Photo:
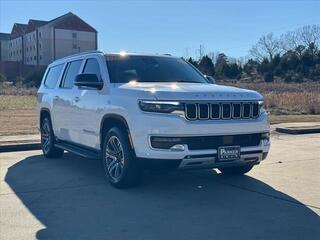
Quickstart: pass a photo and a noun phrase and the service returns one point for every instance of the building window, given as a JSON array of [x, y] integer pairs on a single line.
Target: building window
[[34, 58], [40, 46], [40, 57], [74, 46], [39, 34], [74, 35]]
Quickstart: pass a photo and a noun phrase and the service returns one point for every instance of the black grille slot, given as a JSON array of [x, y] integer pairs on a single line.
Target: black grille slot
[[255, 110], [203, 111], [215, 110], [191, 111], [246, 110], [226, 110], [236, 110]]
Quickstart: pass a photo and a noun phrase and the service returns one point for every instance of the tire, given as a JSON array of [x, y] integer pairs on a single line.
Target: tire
[[240, 170], [119, 163], [48, 139]]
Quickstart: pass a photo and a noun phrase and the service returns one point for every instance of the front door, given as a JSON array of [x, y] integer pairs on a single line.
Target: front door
[[64, 109]]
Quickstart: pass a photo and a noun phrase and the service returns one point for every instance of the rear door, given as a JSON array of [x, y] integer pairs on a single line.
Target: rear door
[[64, 109]]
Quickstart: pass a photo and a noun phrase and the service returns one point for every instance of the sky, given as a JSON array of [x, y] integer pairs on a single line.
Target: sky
[[174, 27]]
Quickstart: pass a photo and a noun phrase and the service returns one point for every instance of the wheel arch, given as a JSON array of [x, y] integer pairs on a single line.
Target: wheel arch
[[114, 120], [43, 113]]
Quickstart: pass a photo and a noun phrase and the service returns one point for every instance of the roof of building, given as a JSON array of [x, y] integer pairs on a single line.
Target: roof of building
[[18, 30], [68, 21], [33, 24], [4, 36], [71, 21]]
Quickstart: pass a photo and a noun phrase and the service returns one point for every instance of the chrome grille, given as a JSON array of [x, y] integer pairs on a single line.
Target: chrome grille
[[223, 110]]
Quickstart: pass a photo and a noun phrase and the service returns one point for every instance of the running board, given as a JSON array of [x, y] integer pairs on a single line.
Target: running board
[[83, 152]]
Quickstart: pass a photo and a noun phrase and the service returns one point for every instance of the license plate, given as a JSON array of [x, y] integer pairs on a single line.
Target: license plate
[[229, 153]]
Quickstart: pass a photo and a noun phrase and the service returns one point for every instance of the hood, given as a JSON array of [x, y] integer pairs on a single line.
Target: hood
[[192, 91]]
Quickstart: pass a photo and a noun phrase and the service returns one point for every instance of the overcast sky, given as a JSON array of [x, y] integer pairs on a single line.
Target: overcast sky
[[176, 27]]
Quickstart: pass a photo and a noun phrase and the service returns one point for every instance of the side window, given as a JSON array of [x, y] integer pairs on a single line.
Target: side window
[[53, 76], [70, 73], [92, 66]]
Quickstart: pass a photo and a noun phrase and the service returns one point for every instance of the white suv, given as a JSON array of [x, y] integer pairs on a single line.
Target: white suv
[[129, 109]]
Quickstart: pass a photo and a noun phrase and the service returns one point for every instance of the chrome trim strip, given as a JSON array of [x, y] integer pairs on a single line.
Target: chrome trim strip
[[242, 116], [199, 110], [219, 107], [229, 111], [186, 113], [233, 110]]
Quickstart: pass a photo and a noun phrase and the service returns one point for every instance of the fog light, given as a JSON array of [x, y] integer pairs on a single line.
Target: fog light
[[177, 147], [265, 135]]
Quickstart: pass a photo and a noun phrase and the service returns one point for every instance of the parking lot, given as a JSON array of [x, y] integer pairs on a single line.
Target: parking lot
[[68, 198]]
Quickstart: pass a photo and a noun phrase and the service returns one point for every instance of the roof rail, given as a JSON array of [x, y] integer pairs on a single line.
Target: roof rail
[[80, 54]]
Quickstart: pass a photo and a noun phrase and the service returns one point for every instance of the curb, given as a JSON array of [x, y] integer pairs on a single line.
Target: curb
[[298, 130], [20, 147]]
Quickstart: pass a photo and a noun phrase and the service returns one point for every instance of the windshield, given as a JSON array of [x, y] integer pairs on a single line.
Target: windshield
[[128, 68]]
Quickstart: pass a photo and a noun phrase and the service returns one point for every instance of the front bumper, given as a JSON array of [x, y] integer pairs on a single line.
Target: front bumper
[[175, 126]]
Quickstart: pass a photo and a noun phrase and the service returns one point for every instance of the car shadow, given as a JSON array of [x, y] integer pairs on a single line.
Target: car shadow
[[71, 198]]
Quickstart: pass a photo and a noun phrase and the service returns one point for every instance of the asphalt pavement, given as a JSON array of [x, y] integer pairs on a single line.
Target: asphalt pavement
[[68, 198]]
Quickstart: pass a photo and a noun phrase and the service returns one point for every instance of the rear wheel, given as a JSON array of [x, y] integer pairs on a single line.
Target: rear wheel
[[239, 170], [47, 140], [120, 166]]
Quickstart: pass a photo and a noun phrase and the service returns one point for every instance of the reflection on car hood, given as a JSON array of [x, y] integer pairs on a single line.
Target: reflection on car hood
[[191, 91]]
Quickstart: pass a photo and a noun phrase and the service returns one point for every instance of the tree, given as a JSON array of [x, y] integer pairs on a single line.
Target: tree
[[221, 64], [232, 70], [193, 62], [267, 47], [206, 66]]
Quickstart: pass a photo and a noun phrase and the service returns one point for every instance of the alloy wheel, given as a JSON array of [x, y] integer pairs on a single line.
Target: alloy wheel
[[114, 158]]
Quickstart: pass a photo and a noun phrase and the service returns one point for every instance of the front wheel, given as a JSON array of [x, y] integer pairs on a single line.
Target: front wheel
[[239, 170], [120, 165]]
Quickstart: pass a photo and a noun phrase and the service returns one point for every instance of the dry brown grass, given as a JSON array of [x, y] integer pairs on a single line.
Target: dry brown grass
[[282, 98]]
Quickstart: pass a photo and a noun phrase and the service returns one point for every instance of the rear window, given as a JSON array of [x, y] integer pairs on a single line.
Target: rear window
[[53, 76], [127, 68]]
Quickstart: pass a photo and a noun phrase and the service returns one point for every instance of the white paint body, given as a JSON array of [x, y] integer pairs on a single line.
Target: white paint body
[[79, 121]]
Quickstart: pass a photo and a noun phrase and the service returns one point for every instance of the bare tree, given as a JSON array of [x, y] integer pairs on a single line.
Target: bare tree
[[267, 47], [300, 39], [309, 35]]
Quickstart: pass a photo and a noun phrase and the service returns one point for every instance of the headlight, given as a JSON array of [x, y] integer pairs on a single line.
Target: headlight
[[261, 106], [161, 106]]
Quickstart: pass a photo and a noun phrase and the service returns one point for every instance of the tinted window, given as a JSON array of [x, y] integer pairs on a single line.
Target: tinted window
[[151, 69], [92, 66], [53, 76], [70, 74]]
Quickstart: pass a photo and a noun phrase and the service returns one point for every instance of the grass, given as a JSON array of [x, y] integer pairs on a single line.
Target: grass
[[285, 102], [17, 102], [287, 99]]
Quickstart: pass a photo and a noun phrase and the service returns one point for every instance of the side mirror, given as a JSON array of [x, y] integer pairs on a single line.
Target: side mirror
[[210, 79], [88, 80]]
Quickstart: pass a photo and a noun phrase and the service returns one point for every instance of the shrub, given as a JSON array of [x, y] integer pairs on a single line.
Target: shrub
[[268, 77]]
